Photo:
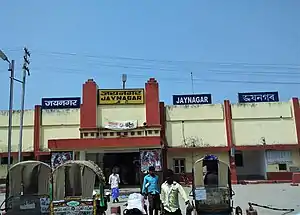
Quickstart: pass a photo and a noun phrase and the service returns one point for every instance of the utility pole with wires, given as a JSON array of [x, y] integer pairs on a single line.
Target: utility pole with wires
[[192, 81], [25, 73]]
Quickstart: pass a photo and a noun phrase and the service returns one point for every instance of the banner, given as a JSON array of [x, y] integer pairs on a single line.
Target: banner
[[192, 99], [121, 125], [60, 103], [151, 157], [116, 97], [258, 97], [58, 158]]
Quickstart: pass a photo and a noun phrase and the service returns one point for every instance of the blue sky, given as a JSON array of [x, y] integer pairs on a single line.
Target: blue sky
[[256, 43]]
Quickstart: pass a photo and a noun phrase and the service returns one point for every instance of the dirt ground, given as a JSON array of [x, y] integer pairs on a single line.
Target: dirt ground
[[273, 195]]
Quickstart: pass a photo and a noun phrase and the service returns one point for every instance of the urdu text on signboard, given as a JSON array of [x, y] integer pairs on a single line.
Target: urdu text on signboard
[[192, 99], [60, 103], [258, 97], [116, 97]]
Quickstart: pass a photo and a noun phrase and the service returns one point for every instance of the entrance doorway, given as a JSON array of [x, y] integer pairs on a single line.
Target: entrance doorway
[[127, 165], [250, 165]]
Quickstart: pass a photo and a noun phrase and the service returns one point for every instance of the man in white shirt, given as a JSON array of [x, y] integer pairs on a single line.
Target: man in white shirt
[[114, 181], [170, 191]]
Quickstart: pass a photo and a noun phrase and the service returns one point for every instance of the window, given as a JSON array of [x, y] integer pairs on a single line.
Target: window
[[282, 166], [132, 133], [179, 165], [238, 157], [279, 157], [4, 160]]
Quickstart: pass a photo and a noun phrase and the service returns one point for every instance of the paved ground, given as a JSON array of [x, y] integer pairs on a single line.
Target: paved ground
[[275, 195]]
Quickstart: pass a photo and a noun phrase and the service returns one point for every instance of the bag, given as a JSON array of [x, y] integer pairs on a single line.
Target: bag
[[133, 211]]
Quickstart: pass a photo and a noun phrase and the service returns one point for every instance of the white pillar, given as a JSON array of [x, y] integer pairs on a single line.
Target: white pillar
[[82, 155]]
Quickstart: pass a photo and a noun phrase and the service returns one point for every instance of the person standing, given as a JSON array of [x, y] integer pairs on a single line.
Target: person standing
[[170, 191], [211, 177], [137, 167], [114, 181], [151, 190]]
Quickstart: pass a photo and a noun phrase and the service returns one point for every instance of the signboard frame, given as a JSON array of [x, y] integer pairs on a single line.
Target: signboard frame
[[175, 97], [241, 96], [65, 103], [120, 90]]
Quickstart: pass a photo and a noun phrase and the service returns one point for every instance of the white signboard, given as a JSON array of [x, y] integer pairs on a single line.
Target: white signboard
[[121, 125]]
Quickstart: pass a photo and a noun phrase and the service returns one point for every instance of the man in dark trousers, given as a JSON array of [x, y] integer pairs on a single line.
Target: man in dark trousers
[[151, 190]]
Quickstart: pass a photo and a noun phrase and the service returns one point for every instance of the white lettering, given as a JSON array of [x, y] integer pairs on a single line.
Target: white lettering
[[74, 102], [66, 102], [260, 97], [55, 103], [271, 97], [192, 100], [48, 103]]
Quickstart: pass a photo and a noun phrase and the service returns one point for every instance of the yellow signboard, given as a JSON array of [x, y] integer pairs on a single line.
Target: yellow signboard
[[116, 97]]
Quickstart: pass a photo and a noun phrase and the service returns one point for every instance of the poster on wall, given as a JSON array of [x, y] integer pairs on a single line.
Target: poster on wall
[[58, 158], [151, 157]]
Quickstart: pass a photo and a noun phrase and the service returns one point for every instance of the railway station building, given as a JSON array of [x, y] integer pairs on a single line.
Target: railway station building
[[131, 129]]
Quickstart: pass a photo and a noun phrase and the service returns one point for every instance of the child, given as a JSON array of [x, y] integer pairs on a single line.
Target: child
[[114, 181]]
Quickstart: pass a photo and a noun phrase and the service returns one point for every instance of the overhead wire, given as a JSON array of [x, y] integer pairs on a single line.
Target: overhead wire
[[173, 68], [176, 79], [169, 62], [289, 66]]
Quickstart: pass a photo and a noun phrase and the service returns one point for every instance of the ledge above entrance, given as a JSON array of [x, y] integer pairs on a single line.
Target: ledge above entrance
[[125, 142]]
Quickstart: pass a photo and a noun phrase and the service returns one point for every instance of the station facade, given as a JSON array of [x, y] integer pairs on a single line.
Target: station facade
[[131, 129]]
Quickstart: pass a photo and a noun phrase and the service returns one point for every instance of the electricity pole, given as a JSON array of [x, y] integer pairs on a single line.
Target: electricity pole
[[11, 68], [25, 72]]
